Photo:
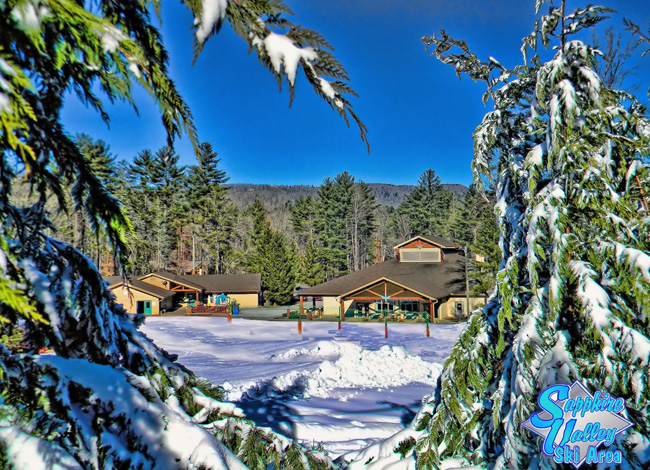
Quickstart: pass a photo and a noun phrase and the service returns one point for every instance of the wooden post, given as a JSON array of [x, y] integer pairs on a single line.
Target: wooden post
[[229, 308], [427, 316], [386, 325], [300, 316], [341, 313], [386, 310]]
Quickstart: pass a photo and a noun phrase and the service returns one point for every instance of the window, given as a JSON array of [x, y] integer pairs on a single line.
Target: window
[[409, 306], [420, 255], [458, 308]]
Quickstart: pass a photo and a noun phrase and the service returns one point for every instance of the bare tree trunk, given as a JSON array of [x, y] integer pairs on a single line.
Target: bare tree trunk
[[80, 231]]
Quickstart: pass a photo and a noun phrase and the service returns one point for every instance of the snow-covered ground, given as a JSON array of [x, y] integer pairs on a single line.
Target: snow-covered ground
[[343, 388]]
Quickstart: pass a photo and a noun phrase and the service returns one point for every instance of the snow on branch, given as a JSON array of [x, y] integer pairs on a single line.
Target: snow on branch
[[281, 46], [616, 337], [212, 14], [283, 54], [635, 258]]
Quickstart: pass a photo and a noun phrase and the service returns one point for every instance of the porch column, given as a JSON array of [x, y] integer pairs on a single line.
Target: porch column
[[341, 313], [300, 316]]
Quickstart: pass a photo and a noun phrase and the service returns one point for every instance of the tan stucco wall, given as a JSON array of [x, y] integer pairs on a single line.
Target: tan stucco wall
[[447, 307], [245, 300], [331, 305], [129, 300], [156, 281]]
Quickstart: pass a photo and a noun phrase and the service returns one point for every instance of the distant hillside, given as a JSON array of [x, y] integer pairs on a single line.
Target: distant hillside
[[277, 196]]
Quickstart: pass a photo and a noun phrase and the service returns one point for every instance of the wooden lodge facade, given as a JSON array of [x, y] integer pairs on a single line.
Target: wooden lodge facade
[[426, 278], [155, 293]]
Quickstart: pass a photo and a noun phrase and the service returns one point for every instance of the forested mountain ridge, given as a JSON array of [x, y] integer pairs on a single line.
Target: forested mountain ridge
[[275, 196]]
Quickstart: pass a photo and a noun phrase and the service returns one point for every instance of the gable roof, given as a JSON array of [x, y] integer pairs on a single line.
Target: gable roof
[[433, 280], [441, 242], [116, 281], [174, 278], [228, 283], [112, 280]]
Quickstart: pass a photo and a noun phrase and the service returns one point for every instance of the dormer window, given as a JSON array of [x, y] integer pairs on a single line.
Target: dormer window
[[424, 250], [420, 255]]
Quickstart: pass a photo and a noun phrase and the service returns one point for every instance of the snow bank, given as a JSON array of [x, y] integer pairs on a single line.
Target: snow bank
[[355, 367]]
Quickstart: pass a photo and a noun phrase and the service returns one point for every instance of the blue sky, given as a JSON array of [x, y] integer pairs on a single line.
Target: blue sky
[[418, 114]]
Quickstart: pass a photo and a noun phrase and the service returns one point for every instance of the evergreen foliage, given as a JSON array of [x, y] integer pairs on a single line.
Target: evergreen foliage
[[334, 198], [303, 218], [486, 245], [108, 398], [273, 257], [280, 269], [311, 270], [428, 207], [361, 226], [345, 224], [169, 209], [211, 211], [473, 225], [571, 301]]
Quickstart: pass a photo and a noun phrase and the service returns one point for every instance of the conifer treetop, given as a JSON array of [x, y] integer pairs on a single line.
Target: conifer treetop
[[569, 158]]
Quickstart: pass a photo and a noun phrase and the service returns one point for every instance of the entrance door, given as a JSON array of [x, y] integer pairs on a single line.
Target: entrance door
[[143, 307]]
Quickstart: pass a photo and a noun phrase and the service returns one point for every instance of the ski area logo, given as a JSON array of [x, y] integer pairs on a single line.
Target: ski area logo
[[574, 423]]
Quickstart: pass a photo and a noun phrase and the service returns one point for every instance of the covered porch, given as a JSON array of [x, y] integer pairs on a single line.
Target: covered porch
[[385, 299]]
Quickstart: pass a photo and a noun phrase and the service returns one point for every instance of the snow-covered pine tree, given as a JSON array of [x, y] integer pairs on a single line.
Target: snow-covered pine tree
[[572, 299], [109, 398]]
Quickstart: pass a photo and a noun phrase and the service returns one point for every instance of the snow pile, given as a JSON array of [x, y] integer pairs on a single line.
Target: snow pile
[[322, 350], [390, 366]]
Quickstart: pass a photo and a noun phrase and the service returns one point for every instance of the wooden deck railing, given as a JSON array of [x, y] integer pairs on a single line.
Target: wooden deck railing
[[209, 309]]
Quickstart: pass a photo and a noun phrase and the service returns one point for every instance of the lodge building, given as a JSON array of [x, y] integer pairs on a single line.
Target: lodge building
[[427, 277], [155, 293]]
